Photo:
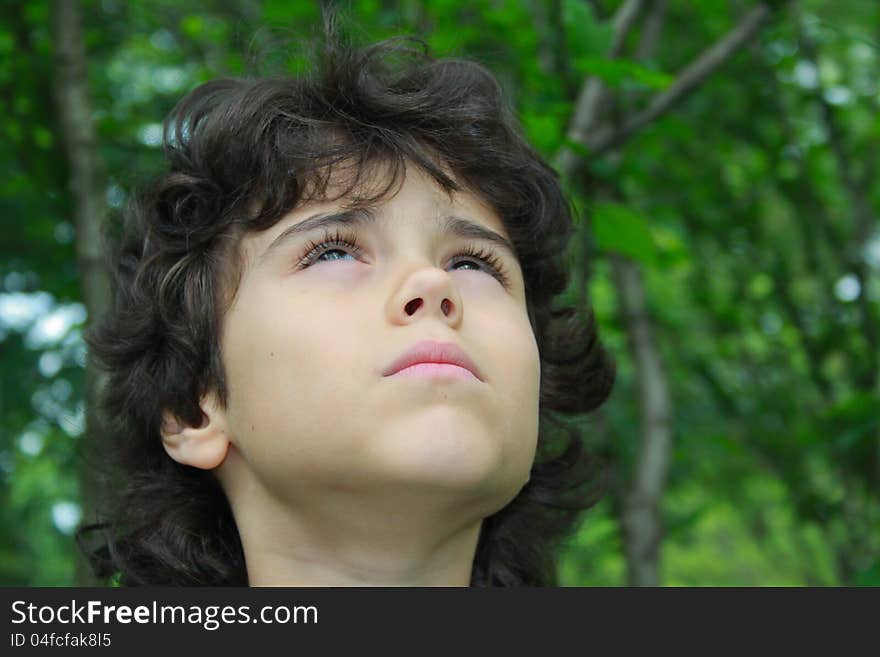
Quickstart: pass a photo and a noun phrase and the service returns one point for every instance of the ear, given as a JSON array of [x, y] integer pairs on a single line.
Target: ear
[[202, 447]]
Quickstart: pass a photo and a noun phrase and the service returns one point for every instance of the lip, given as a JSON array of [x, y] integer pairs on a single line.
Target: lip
[[431, 351]]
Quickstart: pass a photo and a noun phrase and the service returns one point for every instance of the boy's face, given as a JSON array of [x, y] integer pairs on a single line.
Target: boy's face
[[310, 411]]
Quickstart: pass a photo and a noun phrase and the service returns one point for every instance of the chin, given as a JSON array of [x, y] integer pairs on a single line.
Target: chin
[[484, 486]]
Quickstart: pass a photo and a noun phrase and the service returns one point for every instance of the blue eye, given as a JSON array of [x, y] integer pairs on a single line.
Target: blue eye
[[489, 260], [321, 255], [346, 245], [329, 244]]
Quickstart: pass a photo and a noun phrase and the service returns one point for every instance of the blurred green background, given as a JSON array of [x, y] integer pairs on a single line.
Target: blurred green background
[[727, 239]]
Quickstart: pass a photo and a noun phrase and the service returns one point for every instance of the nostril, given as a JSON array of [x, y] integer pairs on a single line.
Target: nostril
[[412, 306], [445, 306]]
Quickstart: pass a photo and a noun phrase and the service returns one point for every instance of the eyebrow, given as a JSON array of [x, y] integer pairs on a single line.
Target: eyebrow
[[364, 216]]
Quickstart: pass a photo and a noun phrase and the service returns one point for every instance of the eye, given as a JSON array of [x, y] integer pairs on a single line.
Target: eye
[[491, 262], [345, 244], [329, 244]]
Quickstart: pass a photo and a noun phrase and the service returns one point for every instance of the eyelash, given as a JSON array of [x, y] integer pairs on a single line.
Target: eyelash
[[335, 240]]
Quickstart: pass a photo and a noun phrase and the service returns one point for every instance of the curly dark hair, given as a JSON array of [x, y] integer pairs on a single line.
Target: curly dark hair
[[244, 152]]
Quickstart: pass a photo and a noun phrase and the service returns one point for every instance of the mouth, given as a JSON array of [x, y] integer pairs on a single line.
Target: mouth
[[435, 359], [437, 371]]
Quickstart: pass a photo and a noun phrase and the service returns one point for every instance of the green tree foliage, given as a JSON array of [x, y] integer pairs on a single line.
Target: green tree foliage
[[750, 208]]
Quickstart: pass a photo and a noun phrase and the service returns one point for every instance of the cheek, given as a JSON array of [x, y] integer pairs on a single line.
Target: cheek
[[517, 366], [295, 368], [528, 371], [282, 350]]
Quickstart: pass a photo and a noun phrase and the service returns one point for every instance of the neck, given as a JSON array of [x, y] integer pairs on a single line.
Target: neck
[[390, 539], [358, 563]]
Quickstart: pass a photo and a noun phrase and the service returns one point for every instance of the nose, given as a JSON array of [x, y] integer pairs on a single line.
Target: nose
[[415, 304], [428, 291]]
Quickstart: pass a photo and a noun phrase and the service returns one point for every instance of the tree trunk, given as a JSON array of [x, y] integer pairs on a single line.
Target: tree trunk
[[642, 514], [87, 190], [640, 511]]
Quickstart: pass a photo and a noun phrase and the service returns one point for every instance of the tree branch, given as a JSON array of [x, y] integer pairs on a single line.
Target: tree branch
[[593, 91], [600, 141]]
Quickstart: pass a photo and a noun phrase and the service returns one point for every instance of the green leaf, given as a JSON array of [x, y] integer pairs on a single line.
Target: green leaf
[[614, 72], [192, 26], [42, 137], [649, 77], [619, 228], [543, 130], [584, 33], [577, 147], [869, 577]]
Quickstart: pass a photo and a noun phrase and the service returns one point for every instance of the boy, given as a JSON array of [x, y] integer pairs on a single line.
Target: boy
[[332, 352]]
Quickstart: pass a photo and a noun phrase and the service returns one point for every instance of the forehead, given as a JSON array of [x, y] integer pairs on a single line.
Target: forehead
[[416, 202]]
